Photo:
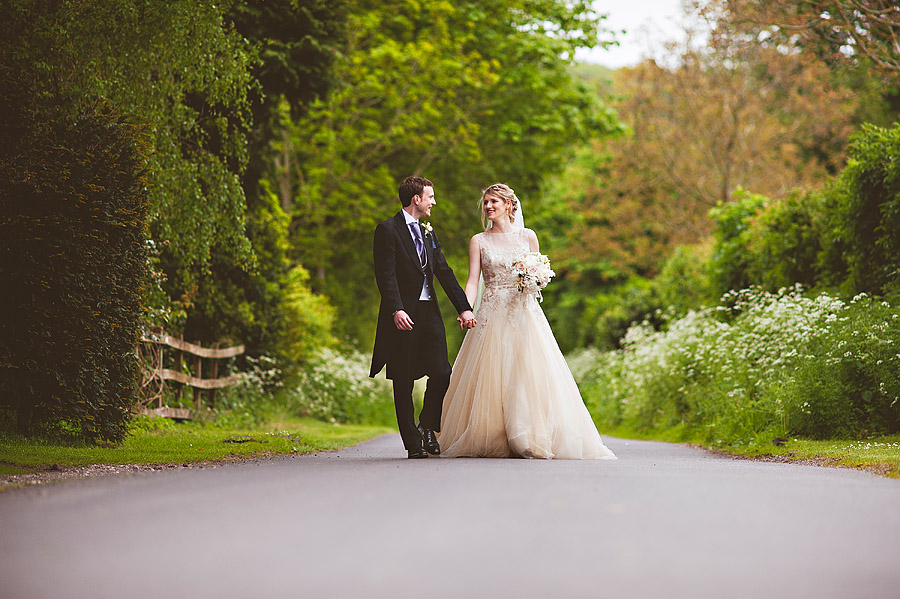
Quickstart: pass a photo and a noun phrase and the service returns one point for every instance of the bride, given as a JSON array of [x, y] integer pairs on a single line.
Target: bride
[[511, 392]]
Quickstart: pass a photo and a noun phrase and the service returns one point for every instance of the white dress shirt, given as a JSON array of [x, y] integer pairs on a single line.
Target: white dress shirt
[[427, 294]]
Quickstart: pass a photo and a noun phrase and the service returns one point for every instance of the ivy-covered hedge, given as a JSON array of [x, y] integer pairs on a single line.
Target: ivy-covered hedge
[[73, 216]]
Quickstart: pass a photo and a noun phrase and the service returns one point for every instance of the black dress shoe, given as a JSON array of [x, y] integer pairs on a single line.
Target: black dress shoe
[[429, 439], [417, 452]]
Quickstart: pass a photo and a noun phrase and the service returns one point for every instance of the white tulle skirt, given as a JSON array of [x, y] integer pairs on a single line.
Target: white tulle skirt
[[512, 394]]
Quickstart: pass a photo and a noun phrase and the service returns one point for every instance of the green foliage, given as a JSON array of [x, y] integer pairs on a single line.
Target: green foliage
[[74, 262], [309, 319], [329, 385], [601, 318], [182, 71], [336, 387], [294, 42], [731, 257], [779, 364], [845, 237], [683, 283], [784, 242], [764, 364], [612, 312], [767, 243], [256, 398], [465, 94], [851, 385], [862, 239]]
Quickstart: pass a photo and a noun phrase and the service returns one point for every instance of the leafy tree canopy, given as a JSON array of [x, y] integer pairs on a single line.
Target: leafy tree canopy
[[180, 70], [466, 94]]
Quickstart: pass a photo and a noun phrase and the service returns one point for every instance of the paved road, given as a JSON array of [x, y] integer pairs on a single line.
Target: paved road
[[662, 521]]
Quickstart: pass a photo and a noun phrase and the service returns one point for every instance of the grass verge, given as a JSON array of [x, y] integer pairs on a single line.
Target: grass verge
[[880, 455], [166, 442]]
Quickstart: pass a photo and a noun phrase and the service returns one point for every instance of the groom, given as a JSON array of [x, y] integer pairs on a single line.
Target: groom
[[410, 337]]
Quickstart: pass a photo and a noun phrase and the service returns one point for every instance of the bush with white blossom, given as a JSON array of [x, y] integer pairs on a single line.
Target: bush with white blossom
[[252, 399], [760, 366], [335, 386]]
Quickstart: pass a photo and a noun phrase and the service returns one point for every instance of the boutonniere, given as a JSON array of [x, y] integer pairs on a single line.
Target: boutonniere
[[429, 234]]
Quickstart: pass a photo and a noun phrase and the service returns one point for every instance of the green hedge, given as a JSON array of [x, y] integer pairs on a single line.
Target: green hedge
[[844, 237], [73, 256], [861, 236]]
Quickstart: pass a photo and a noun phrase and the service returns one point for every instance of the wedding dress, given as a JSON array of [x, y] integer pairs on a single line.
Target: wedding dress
[[511, 392]]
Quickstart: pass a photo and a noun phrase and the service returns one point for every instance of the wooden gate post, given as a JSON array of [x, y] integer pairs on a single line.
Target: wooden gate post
[[214, 374], [198, 373], [179, 387]]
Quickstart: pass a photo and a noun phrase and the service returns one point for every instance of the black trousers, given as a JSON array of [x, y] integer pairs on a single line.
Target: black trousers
[[422, 352]]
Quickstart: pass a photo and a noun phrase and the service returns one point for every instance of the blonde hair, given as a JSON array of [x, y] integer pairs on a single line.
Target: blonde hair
[[503, 192]]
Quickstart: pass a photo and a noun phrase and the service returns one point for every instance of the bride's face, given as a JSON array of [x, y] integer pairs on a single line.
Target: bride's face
[[494, 208]]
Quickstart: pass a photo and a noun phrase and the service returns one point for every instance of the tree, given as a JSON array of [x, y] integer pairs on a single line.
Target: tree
[[181, 71], [836, 30], [295, 41], [465, 94], [703, 122], [842, 237]]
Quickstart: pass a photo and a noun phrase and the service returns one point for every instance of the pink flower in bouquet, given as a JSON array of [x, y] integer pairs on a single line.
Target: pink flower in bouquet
[[534, 273]]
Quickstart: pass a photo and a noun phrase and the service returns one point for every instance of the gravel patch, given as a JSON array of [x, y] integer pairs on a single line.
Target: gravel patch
[[56, 473]]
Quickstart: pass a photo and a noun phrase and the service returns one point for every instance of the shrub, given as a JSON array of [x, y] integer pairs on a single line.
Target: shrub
[[768, 366], [784, 242], [257, 397], [846, 381], [862, 239], [845, 237], [613, 311], [336, 387], [308, 319], [731, 257], [74, 261], [683, 283]]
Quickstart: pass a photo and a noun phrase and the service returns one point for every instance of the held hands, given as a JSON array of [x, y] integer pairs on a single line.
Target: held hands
[[404, 323], [467, 320]]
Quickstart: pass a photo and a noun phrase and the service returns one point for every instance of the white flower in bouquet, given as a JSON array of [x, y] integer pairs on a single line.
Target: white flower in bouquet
[[534, 272]]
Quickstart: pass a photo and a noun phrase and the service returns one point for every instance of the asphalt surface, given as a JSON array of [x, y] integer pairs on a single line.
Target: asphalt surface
[[662, 521]]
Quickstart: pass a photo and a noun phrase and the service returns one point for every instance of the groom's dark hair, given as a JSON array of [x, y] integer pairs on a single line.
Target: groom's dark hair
[[413, 186]]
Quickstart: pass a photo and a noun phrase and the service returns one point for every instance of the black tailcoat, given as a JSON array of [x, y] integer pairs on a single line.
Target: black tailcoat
[[399, 274]]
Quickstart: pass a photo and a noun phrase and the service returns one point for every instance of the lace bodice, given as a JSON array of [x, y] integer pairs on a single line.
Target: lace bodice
[[498, 251]]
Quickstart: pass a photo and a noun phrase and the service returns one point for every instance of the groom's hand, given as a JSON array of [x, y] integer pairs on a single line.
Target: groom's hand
[[402, 321]]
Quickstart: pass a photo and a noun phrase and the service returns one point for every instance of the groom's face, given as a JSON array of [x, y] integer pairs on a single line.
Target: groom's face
[[424, 202]]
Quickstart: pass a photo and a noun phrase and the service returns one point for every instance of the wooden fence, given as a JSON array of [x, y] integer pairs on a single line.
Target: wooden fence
[[156, 374]]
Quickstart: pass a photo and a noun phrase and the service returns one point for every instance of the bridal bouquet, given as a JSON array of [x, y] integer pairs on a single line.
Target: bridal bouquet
[[533, 270]]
